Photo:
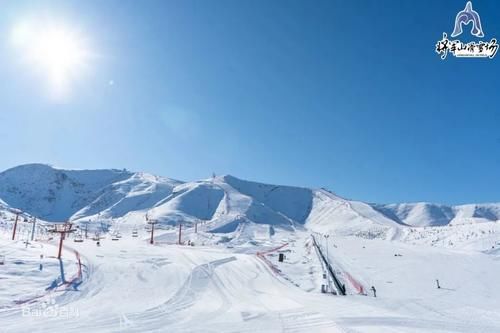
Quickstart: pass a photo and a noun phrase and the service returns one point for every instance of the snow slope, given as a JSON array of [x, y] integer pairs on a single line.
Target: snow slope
[[53, 194], [225, 203], [230, 279], [132, 286], [427, 214], [135, 287], [59, 195], [408, 299], [333, 214]]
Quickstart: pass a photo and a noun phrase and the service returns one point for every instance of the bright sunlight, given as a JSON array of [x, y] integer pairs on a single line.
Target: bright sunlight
[[55, 51]]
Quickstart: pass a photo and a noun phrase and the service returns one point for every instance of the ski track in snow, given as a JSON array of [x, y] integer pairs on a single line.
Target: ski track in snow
[[226, 293], [131, 286]]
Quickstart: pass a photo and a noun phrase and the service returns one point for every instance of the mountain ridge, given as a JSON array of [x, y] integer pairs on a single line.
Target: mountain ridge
[[226, 202]]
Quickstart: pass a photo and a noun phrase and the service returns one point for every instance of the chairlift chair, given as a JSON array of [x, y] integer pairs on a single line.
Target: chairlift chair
[[78, 238]]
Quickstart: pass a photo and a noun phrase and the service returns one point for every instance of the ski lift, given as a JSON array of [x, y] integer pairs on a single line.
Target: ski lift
[[78, 238]]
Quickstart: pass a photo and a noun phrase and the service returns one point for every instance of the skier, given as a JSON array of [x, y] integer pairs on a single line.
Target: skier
[[374, 291], [98, 243]]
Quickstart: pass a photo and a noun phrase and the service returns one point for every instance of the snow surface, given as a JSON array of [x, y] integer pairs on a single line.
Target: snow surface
[[428, 214], [94, 195], [230, 278]]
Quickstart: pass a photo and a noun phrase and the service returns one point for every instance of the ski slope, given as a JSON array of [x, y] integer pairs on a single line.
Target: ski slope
[[133, 286], [408, 299], [225, 275]]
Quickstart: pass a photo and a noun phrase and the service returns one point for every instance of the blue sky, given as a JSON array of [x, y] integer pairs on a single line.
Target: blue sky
[[342, 94]]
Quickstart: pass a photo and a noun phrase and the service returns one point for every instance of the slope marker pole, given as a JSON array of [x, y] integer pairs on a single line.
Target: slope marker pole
[[15, 226], [180, 233], [33, 230], [152, 223]]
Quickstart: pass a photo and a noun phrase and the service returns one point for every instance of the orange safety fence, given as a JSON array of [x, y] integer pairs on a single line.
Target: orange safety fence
[[262, 256], [358, 286]]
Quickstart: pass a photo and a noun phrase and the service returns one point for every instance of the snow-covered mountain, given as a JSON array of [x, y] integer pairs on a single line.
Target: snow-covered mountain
[[225, 202], [427, 214], [60, 195], [234, 264]]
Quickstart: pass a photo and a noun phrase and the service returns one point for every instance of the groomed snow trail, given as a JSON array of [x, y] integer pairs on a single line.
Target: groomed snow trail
[[135, 287], [132, 286]]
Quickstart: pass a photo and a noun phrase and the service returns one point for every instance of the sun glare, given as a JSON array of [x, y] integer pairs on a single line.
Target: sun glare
[[56, 51]]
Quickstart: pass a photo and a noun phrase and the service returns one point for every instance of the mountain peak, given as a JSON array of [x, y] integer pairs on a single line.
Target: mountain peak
[[226, 201]]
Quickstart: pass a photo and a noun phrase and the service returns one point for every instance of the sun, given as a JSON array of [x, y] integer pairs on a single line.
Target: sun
[[56, 51]]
